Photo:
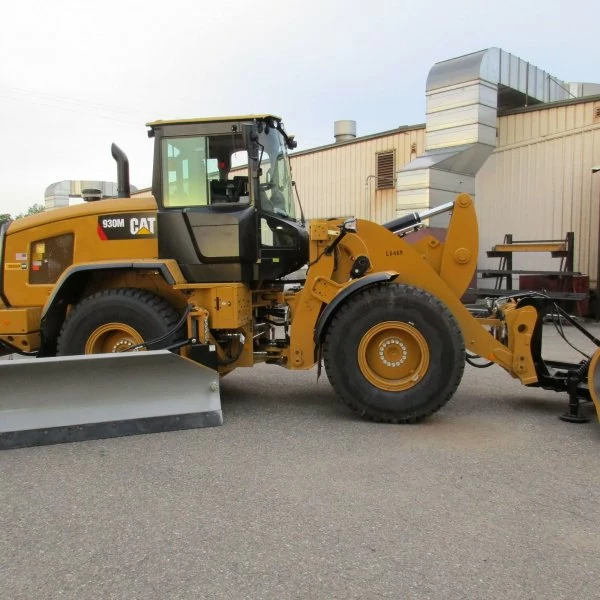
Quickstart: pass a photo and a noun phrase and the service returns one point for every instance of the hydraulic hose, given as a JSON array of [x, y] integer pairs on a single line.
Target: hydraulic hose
[[162, 338], [470, 359]]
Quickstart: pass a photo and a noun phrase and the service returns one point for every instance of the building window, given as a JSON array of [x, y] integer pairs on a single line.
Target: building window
[[386, 169]]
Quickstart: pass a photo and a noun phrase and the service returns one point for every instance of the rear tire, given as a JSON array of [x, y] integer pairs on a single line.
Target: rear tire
[[115, 320], [394, 353]]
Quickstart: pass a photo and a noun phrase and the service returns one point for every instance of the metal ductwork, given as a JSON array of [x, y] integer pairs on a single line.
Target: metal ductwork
[[464, 96], [344, 130], [58, 194], [580, 89]]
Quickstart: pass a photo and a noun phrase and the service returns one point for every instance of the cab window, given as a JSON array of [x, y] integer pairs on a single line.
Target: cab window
[[185, 181], [197, 171]]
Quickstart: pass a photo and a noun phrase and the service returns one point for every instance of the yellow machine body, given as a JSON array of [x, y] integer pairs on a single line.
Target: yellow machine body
[[443, 269], [594, 380]]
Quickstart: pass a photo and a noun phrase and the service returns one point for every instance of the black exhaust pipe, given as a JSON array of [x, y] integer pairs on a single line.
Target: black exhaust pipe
[[124, 190]]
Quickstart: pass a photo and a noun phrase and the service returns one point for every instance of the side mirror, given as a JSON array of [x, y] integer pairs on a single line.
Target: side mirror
[[252, 133], [350, 225]]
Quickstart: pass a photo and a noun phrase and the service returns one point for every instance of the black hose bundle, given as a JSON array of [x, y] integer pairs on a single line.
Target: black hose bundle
[[165, 336]]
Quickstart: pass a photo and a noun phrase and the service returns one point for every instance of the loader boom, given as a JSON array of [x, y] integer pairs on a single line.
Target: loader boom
[[443, 269]]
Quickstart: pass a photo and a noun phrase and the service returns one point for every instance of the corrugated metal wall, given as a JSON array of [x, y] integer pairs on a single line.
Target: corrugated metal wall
[[538, 184], [333, 181]]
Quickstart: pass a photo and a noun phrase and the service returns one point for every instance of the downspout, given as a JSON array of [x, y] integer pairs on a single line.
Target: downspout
[[368, 195]]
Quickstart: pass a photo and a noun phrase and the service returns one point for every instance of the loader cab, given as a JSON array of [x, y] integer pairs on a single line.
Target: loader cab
[[224, 192]]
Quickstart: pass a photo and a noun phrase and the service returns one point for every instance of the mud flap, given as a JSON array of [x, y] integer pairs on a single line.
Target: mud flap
[[77, 398], [594, 381]]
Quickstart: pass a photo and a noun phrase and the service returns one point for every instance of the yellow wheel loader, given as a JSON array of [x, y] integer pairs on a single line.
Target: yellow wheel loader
[[134, 307]]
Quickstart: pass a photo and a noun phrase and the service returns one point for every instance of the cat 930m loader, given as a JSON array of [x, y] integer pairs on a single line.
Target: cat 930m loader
[[134, 307]]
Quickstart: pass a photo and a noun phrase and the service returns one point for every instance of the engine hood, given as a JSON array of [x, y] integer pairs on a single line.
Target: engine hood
[[112, 206]]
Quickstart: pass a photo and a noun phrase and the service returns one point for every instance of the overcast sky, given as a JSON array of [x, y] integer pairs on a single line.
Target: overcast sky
[[76, 76]]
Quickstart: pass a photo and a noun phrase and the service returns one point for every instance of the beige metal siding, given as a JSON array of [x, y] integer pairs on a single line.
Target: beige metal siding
[[538, 184], [143, 193], [340, 180]]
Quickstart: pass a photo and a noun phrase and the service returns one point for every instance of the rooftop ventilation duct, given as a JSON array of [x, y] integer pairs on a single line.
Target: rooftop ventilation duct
[[580, 89], [58, 194], [464, 95], [344, 130]]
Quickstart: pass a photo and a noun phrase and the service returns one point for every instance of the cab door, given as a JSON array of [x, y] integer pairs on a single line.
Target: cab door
[[212, 235]]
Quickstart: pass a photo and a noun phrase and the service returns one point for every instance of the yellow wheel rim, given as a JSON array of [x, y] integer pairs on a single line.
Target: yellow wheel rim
[[393, 356], [112, 337]]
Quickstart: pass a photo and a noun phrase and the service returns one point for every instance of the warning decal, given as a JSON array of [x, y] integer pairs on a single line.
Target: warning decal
[[15, 267], [127, 226]]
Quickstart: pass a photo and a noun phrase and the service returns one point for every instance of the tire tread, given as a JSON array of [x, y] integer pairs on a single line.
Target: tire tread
[[372, 413], [159, 305]]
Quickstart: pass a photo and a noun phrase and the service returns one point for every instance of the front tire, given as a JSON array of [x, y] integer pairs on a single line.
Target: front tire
[[394, 353], [116, 320]]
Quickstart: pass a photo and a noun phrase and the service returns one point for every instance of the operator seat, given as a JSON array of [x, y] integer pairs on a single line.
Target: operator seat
[[218, 191]]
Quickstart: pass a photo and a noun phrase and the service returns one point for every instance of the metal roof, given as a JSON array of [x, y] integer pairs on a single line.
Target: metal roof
[[548, 105], [357, 140], [501, 113]]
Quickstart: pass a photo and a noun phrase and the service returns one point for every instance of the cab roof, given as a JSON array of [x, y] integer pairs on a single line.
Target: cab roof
[[213, 120]]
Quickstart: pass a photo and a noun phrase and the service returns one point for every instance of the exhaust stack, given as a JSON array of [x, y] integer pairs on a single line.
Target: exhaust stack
[[124, 189]]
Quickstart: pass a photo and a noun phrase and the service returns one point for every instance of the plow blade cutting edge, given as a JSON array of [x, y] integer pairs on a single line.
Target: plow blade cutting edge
[[594, 381], [77, 398]]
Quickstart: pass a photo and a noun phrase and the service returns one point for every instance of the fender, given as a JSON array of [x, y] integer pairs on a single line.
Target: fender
[[65, 291], [359, 284]]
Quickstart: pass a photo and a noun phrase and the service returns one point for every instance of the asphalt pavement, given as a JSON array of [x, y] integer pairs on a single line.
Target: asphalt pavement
[[295, 497]]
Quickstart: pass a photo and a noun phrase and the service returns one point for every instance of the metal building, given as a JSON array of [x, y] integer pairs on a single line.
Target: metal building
[[536, 184], [356, 176], [539, 182], [518, 139]]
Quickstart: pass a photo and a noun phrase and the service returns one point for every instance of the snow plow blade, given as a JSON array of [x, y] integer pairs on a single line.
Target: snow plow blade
[[594, 381], [78, 398]]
